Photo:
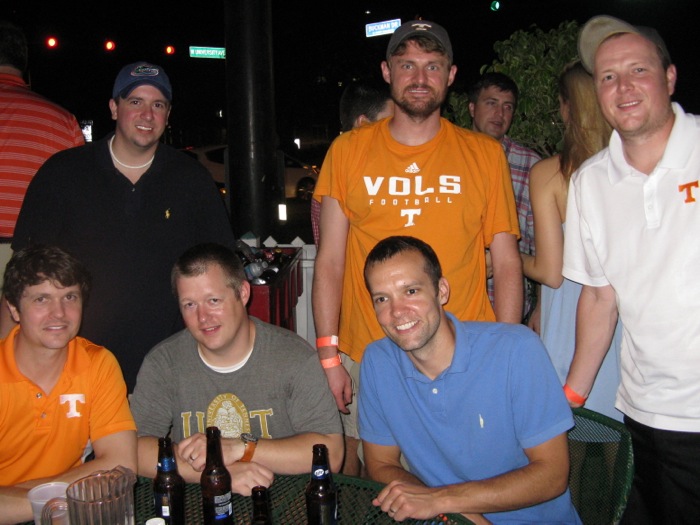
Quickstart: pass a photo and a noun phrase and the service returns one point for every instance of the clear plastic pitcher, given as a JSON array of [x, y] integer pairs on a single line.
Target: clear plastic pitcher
[[105, 497]]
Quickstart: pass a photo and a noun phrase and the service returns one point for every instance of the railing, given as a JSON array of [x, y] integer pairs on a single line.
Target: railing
[[304, 315]]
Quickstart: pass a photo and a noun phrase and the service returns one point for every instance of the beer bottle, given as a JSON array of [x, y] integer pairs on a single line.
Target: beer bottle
[[168, 486], [217, 506], [321, 494], [261, 507]]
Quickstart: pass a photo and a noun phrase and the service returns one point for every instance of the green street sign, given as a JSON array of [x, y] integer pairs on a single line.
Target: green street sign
[[207, 52]]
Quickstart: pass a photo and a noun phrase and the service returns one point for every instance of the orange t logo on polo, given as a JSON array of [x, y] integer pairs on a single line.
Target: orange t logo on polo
[[688, 189]]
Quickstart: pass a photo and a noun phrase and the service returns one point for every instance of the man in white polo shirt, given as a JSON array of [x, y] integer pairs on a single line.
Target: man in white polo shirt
[[633, 224]]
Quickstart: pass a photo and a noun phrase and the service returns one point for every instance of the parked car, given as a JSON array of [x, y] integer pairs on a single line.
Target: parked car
[[297, 173]]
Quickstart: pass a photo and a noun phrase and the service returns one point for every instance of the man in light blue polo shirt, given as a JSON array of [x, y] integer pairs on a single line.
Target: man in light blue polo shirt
[[475, 408]]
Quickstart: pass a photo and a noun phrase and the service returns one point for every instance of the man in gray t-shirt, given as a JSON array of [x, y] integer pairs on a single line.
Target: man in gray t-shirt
[[262, 385]]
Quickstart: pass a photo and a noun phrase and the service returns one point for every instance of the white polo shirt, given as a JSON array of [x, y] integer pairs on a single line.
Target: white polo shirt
[[641, 234]]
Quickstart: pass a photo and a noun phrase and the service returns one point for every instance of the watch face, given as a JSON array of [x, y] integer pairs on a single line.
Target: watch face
[[249, 437]]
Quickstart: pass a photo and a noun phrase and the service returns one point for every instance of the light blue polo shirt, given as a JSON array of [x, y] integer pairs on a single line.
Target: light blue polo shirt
[[499, 396]]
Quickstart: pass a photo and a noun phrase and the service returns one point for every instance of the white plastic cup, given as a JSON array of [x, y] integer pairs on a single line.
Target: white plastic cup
[[39, 495]]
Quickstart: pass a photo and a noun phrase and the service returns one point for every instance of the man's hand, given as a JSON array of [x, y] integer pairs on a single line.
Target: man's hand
[[340, 384], [403, 500], [245, 476], [192, 450]]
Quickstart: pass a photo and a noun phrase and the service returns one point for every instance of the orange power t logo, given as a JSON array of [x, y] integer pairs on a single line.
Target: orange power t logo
[[688, 189]]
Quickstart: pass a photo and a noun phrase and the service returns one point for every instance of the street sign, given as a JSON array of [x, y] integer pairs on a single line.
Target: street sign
[[207, 52], [382, 28]]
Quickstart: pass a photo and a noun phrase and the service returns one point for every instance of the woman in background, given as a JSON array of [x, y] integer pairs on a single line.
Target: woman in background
[[585, 133]]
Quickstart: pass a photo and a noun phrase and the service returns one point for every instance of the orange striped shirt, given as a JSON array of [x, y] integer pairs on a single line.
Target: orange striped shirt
[[32, 129]]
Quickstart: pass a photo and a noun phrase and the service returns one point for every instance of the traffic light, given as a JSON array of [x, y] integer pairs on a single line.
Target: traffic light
[[110, 45], [169, 50], [495, 5], [51, 42]]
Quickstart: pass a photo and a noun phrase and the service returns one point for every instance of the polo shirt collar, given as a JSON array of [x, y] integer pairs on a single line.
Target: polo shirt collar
[[460, 359], [9, 373], [677, 152], [104, 159], [507, 144], [77, 361], [682, 140]]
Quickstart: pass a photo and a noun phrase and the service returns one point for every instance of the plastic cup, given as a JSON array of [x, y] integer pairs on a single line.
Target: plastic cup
[[39, 495]]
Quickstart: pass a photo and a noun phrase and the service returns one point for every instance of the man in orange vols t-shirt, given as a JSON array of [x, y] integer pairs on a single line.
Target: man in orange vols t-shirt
[[413, 174]]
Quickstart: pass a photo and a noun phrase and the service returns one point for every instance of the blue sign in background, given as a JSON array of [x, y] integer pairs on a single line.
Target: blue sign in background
[[382, 28]]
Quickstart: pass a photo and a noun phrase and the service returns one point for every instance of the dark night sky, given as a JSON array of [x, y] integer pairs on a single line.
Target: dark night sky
[[311, 42]]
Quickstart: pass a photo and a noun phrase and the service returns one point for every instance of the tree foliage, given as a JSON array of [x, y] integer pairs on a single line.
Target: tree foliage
[[534, 59]]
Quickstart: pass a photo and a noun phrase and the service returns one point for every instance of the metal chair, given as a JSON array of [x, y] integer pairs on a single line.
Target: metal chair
[[600, 451]]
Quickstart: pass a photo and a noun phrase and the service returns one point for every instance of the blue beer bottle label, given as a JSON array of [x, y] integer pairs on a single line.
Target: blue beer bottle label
[[167, 465], [319, 472]]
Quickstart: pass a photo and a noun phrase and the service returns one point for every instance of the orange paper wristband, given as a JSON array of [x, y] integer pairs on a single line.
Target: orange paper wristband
[[331, 362], [330, 340], [573, 396]]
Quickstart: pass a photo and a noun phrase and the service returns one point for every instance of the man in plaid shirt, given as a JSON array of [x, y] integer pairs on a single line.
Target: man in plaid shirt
[[492, 102]]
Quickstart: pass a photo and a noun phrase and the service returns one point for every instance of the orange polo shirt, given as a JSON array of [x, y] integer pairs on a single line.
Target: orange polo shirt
[[45, 434]]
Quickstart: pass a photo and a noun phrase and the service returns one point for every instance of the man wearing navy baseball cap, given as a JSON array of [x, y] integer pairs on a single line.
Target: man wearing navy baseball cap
[[127, 206], [138, 74], [632, 228]]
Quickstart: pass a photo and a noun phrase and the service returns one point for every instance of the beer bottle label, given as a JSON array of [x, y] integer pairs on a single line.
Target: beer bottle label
[[167, 464], [223, 507], [165, 511], [319, 472], [162, 502]]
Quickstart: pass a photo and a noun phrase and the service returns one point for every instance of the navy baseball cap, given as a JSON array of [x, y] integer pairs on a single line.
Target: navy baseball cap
[[419, 28], [139, 73]]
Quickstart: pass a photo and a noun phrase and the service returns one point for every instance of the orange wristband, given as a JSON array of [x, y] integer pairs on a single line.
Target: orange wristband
[[573, 396], [331, 340], [331, 362]]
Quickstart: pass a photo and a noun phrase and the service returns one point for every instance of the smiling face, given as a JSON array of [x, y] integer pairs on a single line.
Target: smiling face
[[407, 305], [419, 80], [49, 316], [634, 90], [214, 314], [141, 117], [493, 112]]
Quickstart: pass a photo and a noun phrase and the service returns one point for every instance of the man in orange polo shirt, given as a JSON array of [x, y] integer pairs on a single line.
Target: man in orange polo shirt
[[62, 398]]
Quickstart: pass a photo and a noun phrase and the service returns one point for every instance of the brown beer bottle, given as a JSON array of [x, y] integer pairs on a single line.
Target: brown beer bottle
[[321, 494], [262, 514], [168, 486], [217, 506]]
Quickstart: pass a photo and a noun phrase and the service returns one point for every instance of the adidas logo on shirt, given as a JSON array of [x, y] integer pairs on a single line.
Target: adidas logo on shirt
[[413, 168]]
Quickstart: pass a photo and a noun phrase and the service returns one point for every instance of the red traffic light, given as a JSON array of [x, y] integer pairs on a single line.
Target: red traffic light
[[169, 50], [51, 42], [110, 45]]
